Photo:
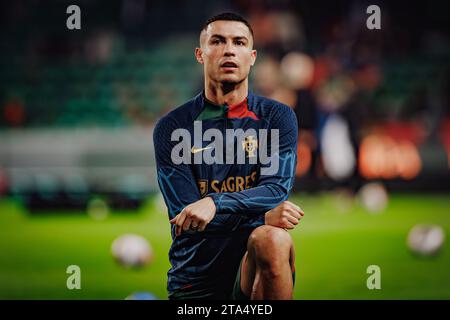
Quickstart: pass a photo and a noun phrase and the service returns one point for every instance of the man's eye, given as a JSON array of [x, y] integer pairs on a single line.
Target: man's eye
[[215, 41], [240, 43]]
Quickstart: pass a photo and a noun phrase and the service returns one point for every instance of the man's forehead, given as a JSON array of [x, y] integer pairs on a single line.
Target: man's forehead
[[227, 29]]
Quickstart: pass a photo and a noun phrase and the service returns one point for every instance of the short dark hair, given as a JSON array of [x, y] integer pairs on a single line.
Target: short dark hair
[[228, 16]]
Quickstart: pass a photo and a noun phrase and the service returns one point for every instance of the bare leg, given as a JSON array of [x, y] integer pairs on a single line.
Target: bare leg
[[267, 266]]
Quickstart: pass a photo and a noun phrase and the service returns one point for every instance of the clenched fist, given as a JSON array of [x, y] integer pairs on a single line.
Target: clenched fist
[[286, 215]]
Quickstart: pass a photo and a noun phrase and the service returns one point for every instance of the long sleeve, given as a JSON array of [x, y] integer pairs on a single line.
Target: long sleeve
[[176, 182], [272, 189]]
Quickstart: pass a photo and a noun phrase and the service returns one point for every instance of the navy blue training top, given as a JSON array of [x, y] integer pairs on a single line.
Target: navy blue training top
[[242, 195]]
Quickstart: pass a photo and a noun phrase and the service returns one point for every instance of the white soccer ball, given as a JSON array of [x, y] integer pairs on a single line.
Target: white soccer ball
[[97, 209], [132, 250], [426, 240], [374, 197]]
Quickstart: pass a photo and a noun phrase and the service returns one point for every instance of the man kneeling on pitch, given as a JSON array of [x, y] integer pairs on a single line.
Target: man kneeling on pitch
[[229, 218]]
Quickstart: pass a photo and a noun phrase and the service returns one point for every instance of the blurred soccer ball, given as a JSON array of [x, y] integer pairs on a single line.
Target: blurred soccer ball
[[97, 209], [343, 200], [374, 197], [297, 69], [131, 250], [426, 240], [141, 296]]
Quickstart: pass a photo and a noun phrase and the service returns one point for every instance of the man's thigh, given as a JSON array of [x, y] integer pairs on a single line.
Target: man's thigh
[[242, 276]]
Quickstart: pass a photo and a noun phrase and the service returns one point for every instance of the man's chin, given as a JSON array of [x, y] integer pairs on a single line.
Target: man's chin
[[231, 80]]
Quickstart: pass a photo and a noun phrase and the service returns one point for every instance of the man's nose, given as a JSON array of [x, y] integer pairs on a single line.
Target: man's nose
[[229, 49]]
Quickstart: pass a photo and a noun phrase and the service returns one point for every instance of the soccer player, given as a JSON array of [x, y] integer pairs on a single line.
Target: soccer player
[[229, 219]]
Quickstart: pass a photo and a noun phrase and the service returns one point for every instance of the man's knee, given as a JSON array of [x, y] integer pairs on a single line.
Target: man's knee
[[271, 247], [269, 236]]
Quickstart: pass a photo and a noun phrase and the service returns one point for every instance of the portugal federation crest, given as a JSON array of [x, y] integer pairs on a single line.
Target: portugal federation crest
[[202, 187], [250, 144]]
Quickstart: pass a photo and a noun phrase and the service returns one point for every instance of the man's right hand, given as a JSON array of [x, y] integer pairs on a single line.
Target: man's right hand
[[286, 215], [195, 216]]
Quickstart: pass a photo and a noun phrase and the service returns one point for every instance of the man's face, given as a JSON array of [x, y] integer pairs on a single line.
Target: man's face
[[226, 51]]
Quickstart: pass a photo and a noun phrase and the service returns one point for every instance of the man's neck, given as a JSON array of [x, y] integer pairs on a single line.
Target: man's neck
[[230, 94]]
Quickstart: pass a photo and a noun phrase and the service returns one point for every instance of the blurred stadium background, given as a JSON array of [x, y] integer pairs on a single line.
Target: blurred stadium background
[[77, 159]]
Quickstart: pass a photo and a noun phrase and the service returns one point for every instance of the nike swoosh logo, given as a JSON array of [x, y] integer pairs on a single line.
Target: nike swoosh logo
[[195, 150]]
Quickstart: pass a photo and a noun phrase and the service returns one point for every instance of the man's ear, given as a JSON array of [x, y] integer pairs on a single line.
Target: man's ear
[[198, 55], [254, 54]]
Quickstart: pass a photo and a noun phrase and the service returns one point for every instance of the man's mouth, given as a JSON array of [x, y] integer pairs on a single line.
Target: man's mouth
[[229, 65]]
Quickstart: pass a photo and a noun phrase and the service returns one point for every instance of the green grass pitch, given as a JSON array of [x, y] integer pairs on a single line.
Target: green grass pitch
[[335, 243]]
